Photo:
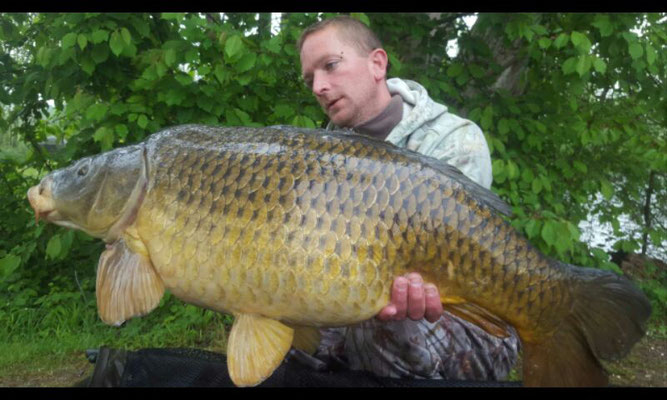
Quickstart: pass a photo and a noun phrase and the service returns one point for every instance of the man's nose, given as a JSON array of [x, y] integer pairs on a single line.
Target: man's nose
[[320, 85]]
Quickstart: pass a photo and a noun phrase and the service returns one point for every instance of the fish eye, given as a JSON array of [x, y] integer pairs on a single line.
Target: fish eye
[[83, 170]]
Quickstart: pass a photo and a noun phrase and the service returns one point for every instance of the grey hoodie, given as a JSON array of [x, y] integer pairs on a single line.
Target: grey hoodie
[[428, 128]]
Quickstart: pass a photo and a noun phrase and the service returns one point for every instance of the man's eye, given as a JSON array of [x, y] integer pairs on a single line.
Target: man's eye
[[330, 65]]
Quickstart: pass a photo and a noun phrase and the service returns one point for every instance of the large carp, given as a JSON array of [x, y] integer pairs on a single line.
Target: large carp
[[289, 230]]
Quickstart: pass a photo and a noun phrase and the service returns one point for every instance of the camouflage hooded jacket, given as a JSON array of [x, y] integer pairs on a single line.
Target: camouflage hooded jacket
[[450, 348]]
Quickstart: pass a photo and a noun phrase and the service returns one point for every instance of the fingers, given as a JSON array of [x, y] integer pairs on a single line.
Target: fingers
[[411, 298], [416, 305], [387, 313], [433, 305], [399, 297]]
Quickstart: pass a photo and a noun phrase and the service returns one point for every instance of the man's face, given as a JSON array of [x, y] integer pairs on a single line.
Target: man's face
[[341, 79]]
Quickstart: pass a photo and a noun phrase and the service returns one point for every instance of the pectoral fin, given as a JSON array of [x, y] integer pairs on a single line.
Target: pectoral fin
[[256, 347], [480, 317], [127, 284]]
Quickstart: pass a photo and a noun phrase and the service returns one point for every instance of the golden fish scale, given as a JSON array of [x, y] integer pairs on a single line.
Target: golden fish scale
[[311, 229]]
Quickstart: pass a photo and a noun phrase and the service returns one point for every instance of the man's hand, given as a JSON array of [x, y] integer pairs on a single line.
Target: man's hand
[[412, 298]]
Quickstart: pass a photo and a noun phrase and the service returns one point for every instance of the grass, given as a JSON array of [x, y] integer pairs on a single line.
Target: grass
[[41, 340]]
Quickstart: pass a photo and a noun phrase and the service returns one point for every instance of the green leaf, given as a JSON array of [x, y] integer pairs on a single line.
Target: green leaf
[[532, 228], [160, 69], [487, 118], [130, 51], [583, 64], [454, 70], [82, 41], [284, 110], [96, 112], [220, 73], [544, 43], [635, 50], [581, 167], [233, 46], [169, 16], [99, 36], [462, 79], [104, 136], [573, 103], [396, 64], [8, 264], [192, 55], [603, 24], [69, 40], [302, 121], [599, 65], [246, 62], [570, 65], [125, 34], [121, 130], [274, 44], [142, 27], [563, 240], [503, 126], [244, 79], [607, 189], [527, 175], [581, 42], [561, 40], [53, 247], [499, 171], [174, 97], [142, 121], [549, 233], [87, 65], [170, 57], [650, 54], [498, 145], [205, 103], [100, 53], [116, 43], [537, 186], [574, 231], [476, 71], [243, 116], [512, 170]]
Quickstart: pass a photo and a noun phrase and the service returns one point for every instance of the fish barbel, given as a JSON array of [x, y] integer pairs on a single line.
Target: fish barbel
[[291, 229]]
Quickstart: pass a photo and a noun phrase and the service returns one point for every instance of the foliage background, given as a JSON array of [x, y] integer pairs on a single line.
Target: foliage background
[[573, 107]]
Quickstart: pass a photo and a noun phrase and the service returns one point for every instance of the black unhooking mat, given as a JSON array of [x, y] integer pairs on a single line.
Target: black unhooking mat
[[178, 367]]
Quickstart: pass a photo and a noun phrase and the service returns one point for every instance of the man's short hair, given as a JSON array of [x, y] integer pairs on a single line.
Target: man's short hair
[[351, 30]]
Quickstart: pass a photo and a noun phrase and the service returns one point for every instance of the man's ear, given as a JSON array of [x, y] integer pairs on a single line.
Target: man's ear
[[378, 63]]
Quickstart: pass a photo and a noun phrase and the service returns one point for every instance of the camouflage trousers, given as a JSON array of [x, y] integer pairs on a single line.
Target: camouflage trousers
[[450, 348]]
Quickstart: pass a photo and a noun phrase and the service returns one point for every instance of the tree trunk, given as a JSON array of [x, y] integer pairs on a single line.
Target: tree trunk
[[264, 26], [489, 29], [647, 211]]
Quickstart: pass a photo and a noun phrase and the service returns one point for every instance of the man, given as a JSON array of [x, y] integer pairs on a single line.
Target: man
[[343, 63]]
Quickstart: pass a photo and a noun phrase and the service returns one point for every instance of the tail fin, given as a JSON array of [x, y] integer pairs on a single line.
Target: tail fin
[[607, 318]]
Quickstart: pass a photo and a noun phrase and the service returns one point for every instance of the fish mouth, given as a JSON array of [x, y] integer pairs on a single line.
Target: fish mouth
[[42, 202]]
